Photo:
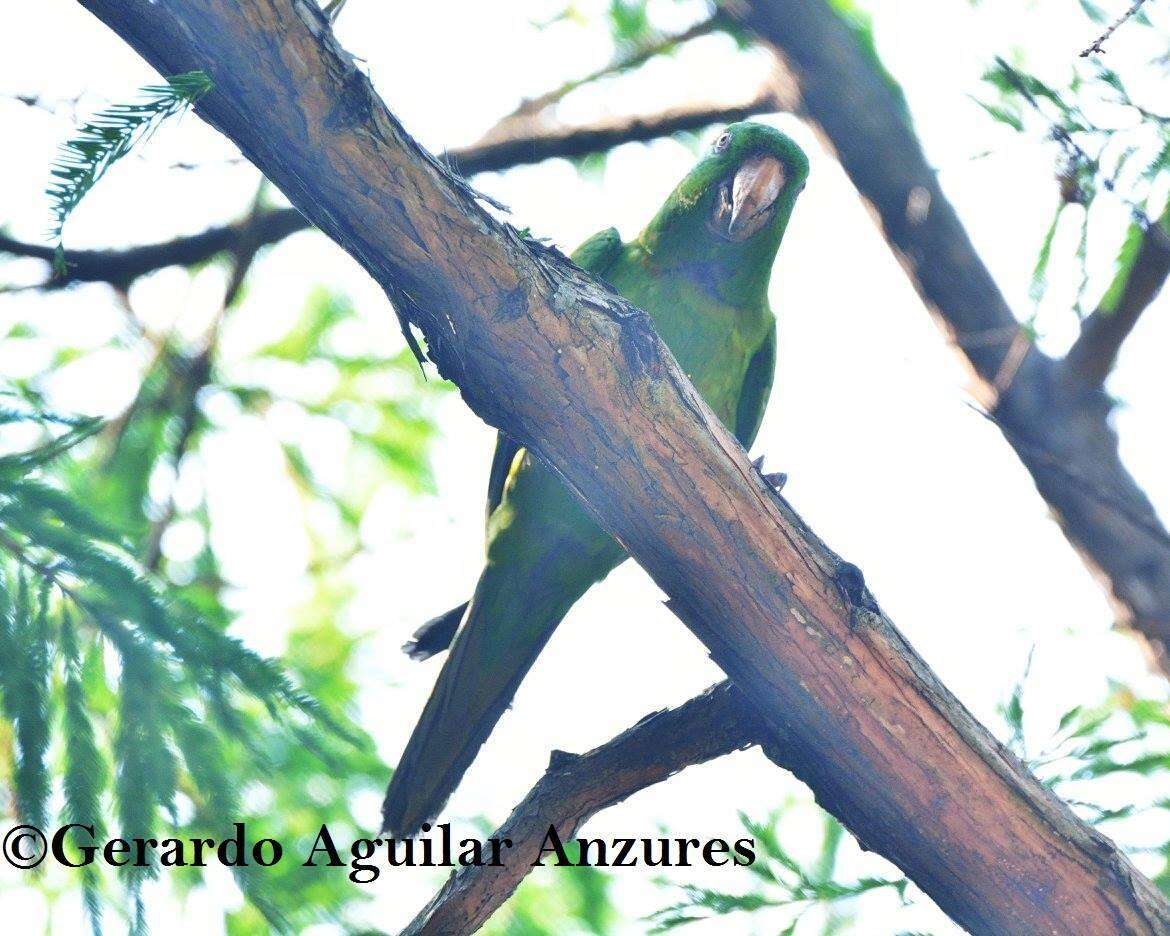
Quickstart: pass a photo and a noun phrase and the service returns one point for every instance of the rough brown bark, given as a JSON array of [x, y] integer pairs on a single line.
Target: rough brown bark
[[576, 787], [578, 375], [121, 267], [1056, 420]]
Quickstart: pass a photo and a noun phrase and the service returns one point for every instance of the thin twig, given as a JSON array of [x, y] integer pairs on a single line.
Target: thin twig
[[1073, 151], [1098, 43], [640, 55]]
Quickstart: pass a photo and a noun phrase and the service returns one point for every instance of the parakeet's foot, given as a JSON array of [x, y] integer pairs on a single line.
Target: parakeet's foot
[[776, 480]]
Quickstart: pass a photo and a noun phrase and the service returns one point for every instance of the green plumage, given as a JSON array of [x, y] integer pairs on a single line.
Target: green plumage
[[704, 282]]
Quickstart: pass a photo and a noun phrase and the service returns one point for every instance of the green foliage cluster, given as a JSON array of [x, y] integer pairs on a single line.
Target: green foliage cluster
[[120, 679], [1108, 142], [1110, 762], [781, 883], [149, 702]]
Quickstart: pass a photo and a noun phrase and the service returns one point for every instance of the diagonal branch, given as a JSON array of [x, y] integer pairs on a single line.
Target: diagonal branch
[[577, 374], [1093, 354], [1056, 420], [576, 787], [638, 56], [1098, 44], [121, 267], [494, 155]]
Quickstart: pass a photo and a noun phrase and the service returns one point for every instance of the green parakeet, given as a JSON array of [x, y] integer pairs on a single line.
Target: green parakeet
[[700, 269]]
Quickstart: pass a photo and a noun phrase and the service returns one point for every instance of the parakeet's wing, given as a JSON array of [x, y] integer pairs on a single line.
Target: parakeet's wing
[[596, 255], [757, 385]]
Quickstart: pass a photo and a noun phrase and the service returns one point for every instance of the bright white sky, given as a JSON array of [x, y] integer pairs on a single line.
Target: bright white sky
[[868, 416]]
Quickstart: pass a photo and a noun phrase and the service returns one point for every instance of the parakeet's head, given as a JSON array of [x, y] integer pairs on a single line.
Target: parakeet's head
[[732, 208]]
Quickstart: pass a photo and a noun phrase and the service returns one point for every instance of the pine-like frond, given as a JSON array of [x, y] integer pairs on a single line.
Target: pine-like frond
[[137, 732], [29, 704], [109, 136], [85, 770]]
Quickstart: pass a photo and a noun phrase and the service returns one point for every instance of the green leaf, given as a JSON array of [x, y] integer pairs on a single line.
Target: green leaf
[[1002, 114], [1093, 11], [1039, 282], [1123, 267]]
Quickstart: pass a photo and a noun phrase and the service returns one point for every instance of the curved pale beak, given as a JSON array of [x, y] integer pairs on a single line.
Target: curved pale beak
[[755, 189]]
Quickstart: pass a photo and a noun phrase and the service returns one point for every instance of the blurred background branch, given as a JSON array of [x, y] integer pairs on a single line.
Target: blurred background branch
[[494, 154], [1053, 411]]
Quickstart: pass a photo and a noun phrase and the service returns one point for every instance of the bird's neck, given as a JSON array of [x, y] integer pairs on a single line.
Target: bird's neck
[[678, 241], [728, 273]]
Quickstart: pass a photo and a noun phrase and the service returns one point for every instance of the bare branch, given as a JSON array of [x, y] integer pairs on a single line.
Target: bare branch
[[635, 58], [1094, 353], [122, 267], [575, 787], [577, 374], [1098, 43], [494, 155], [1049, 415]]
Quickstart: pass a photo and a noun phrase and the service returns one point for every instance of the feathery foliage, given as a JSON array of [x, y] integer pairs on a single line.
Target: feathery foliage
[[782, 882], [1109, 146], [68, 578], [161, 719], [107, 137], [1109, 761]]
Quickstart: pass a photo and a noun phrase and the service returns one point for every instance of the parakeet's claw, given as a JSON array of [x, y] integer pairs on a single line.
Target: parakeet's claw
[[776, 480]]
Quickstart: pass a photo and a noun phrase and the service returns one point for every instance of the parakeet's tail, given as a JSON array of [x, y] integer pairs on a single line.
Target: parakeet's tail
[[435, 635], [495, 647]]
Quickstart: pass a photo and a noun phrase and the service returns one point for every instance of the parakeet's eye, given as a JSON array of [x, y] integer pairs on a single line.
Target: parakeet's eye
[[723, 141]]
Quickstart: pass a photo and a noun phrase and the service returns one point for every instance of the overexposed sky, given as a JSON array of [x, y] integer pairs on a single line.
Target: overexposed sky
[[868, 416]]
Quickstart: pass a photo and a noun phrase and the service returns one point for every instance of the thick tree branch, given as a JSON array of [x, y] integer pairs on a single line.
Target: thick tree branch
[[574, 788], [579, 376], [1093, 354], [121, 267], [1057, 421]]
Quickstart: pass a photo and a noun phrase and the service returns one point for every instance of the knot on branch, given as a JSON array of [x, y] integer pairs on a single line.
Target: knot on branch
[[561, 760]]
